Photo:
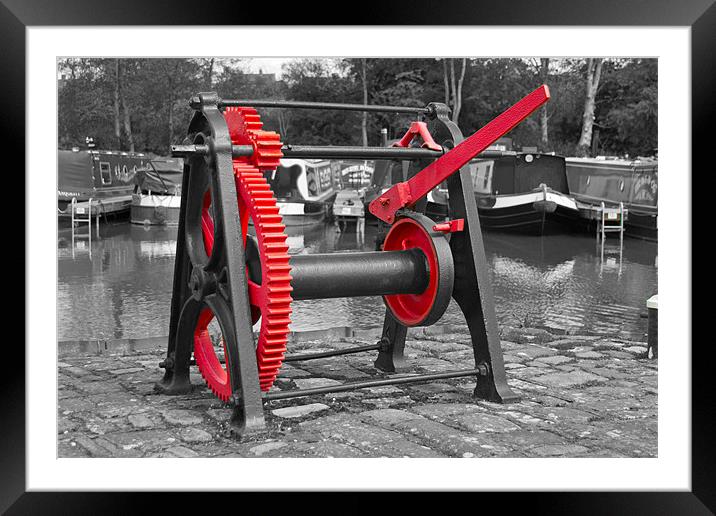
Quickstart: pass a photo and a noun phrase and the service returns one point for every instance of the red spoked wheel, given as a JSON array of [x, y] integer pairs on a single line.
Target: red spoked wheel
[[416, 231], [269, 296]]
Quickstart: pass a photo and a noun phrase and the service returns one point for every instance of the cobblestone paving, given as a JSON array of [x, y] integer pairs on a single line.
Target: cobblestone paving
[[581, 396]]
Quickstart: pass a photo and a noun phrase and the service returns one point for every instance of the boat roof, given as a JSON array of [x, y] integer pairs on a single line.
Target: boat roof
[[169, 166], [612, 162], [96, 152], [289, 162]]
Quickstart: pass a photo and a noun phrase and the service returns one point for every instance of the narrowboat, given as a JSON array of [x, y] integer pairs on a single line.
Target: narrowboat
[[524, 192], [633, 183], [106, 178], [157, 194], [356, 174], [304, 190], [348, 207]]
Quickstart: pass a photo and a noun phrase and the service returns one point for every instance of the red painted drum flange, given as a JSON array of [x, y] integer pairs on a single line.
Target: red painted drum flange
[[414, 231]]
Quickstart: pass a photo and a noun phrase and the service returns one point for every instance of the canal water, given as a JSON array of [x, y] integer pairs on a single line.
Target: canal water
[[119, 283]]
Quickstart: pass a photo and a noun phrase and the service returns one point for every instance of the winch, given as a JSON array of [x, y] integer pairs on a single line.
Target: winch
[[225, 274]]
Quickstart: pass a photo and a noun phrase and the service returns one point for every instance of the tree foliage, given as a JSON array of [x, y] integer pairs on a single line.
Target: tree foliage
[[154, 113]]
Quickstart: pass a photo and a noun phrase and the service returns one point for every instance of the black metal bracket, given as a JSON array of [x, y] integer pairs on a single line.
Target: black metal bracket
[[472, 289], [216, 282]]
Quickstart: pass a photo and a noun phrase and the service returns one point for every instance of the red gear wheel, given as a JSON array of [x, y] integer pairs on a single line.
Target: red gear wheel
[[245, 128], [271, 299]]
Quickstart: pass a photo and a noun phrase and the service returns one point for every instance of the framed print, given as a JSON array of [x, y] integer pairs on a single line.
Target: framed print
[[414, 250]]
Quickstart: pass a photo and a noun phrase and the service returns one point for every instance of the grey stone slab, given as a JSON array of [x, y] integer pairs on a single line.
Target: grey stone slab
[[65, 425], [438, 347], [264, 448], [589, 355], [445, 439], [481, 422], [554, 359], [310, 383], [143, 440], [528, 438], [405, 448], [78, 372], [328, 449], [195, 435], [388, 416], [432, 387], [182, 417], [100, 386], [526, 335], [140, 421], [532, 352], [127, 370], [180, 452], [570, 379], [388, 402], [299, 410], [558, 450]]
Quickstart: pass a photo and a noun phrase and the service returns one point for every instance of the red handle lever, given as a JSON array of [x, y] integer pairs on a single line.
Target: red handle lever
[[409, 192], [451, 226]]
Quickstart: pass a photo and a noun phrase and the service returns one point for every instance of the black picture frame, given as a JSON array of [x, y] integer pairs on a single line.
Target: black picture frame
[[700, 15]]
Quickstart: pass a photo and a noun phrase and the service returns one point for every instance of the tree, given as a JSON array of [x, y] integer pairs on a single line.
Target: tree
[[117, 126], [627, 105], [594, 70], [453, 88], [142, 103], [544, 117], [364, 121]]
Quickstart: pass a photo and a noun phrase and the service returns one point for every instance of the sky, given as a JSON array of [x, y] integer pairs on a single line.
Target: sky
[[265, 64]]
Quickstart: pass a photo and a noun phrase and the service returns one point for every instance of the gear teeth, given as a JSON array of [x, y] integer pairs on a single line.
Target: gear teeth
[[246, 128], [256, 199]]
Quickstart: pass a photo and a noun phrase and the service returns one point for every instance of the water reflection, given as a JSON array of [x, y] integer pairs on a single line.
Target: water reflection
[[558, 281]]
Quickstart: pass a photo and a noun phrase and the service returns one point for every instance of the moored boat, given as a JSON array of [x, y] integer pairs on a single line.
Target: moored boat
[[348, 206], [156, 200], [100, 182], [304, 190], [633, 183], [523, 192]]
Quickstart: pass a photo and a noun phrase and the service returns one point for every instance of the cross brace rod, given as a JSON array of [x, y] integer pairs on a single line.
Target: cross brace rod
[[281, 395]]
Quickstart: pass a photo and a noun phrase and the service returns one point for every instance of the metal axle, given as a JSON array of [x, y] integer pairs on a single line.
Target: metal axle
[[377, 273]]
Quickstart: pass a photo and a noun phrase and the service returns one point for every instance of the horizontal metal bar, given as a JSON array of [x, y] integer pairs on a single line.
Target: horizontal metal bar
[[325, 354], [280, 395], [335, 152], [296, 104], [183, 151], [348, 152], [313, 356]]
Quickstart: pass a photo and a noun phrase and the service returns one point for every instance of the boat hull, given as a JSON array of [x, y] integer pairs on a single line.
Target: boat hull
[[613, 181], [155, 210], [526, 218], [642, 225], [302, 213], [531, 213]]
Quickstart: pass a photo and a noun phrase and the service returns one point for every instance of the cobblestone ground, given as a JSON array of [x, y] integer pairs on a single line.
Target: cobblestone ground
[[581, 396]]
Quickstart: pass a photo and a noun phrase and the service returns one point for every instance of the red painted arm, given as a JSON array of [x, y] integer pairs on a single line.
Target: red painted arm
[[409, 192]]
